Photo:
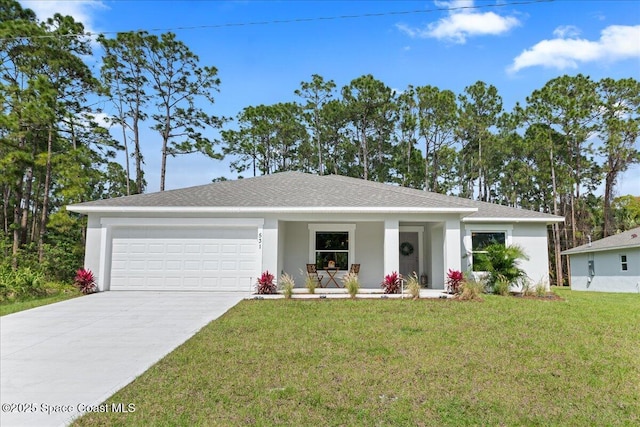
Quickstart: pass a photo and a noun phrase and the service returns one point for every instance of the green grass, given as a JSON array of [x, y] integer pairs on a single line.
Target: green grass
[[16, 306], [503, 361]]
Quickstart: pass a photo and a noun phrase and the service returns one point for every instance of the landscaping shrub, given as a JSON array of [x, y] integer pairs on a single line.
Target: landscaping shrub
[[470, 290], [391, 283], [413, 286], [265, 284], [541, 289], [20, 284], [311, 284], [351, 283], [455, 278], [287, 284], [501, 286], [85, 281], [502, 264]]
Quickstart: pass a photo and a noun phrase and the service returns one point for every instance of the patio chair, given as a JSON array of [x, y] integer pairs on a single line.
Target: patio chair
[[312, 272], [355, 269]]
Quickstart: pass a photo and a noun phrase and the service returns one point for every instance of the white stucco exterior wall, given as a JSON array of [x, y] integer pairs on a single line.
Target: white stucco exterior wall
[[608, 274], [94, 248], [270, 247], [284, 241], [452, 247], [368, 252], [533, 239], [391, 245], [435, 237]]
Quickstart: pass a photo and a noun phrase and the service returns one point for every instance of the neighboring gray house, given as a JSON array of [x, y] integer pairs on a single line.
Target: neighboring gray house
[[221, 236], [611, 264]]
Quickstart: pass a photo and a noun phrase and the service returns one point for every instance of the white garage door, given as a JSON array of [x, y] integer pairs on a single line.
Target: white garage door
[[184, 258]]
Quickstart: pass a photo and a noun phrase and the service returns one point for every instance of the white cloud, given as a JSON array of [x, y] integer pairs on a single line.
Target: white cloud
[[104, 120], [566, 31], [80, 10], [617, 42], [462, 22]]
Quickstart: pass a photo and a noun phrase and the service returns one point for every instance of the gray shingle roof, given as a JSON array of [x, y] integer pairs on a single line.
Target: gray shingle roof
[[300, 190], [627, 239]]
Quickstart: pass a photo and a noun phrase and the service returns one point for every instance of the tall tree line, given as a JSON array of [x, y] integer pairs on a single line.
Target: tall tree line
[[550, 153], [54, 152]]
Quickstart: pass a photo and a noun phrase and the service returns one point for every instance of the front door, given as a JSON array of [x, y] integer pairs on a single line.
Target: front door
[[409, 253]]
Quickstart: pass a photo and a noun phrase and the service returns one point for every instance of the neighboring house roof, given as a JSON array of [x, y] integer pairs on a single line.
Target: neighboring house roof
[[302, 192], [627, 239]]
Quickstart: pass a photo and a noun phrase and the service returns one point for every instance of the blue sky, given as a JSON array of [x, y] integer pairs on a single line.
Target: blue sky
[[448, 44]]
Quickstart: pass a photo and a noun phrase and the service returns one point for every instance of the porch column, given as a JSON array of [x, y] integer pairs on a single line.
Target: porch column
[[391, 245], [452, 254], [269, 246]]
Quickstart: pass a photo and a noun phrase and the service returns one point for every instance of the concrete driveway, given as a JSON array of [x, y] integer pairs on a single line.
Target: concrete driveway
[[63, 359]]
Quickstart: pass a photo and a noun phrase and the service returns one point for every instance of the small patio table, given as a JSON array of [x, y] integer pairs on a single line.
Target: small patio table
[[331, 272]]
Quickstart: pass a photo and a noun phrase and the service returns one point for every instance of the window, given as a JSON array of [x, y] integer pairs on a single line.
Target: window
[[332, 246], [623, 263], [479, 241], [331, 242]]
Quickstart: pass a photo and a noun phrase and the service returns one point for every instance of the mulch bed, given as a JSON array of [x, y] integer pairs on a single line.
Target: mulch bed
[[549, 296]]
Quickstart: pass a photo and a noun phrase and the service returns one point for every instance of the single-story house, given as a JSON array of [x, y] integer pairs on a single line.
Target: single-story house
[[221, 236], [611, 264]]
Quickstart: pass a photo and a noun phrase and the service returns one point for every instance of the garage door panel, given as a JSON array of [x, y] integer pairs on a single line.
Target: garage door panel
[[210, 265], [211, 248], [183, 258], [173, 248]]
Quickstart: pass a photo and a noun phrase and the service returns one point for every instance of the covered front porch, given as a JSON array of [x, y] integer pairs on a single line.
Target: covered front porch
[[429, 246]]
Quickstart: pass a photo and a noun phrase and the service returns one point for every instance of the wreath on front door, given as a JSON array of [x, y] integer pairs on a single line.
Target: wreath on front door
[[406, 248]]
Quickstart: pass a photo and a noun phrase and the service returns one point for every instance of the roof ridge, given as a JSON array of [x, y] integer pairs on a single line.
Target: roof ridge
[[401, 190]]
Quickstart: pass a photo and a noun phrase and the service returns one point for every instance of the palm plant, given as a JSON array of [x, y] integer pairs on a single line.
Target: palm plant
[[502, 264]]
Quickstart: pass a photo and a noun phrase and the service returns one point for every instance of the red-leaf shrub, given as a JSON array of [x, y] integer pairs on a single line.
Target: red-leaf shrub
[[265, 284], [391, 283], [455, 278], [85, 281]]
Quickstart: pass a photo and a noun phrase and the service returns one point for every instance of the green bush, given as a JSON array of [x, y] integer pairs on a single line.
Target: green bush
[[21, 284], [501, 286], [502, 264]]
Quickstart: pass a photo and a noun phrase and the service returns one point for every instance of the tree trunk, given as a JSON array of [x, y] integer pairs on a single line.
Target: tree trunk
[[17, 215], [556, 230], [610, 180], [165, 143], [480, 180], [317, 130], [24, 221], [36, 206], [365, 154], [6, 195], [163, 166], [573, 221], [45, 197], [427, 187], [137, 154], [126, 154]]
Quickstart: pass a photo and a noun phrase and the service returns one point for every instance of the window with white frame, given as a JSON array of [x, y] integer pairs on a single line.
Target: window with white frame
[[623, 263], [480, 240], [331, 245]]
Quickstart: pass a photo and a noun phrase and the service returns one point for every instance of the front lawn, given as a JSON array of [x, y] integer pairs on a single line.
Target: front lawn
[[8, 307], [503, 361]]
